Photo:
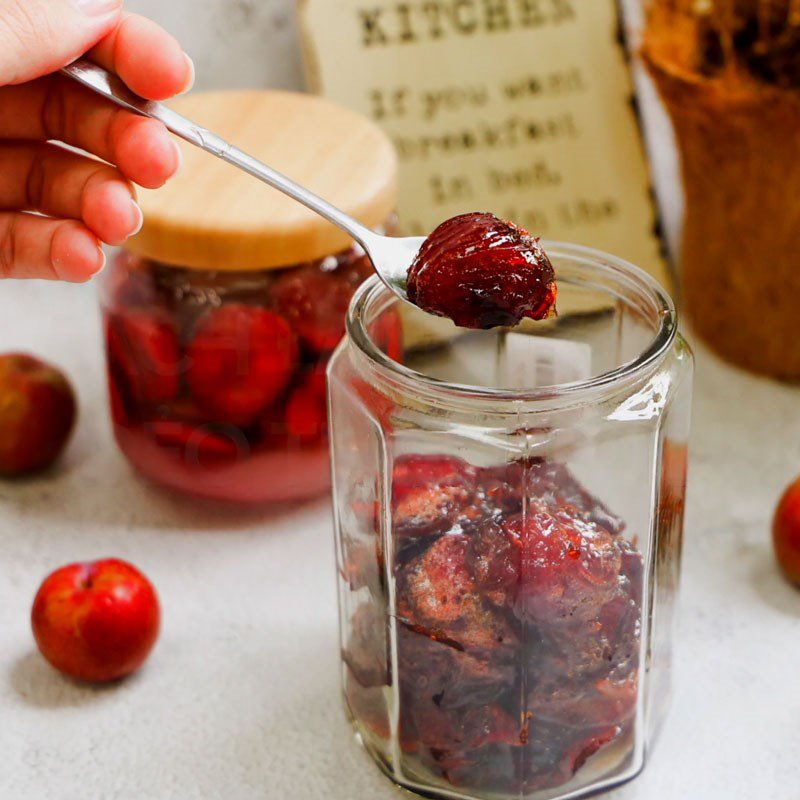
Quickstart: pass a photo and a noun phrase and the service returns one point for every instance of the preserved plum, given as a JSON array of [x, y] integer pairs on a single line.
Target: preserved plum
[[482, 272], [518, 623]]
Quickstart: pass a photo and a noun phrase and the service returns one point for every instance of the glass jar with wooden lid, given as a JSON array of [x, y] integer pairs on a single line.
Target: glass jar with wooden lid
[[221, 314]]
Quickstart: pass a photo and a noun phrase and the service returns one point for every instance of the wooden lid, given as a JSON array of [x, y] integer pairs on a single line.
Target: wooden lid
[[214, 216]]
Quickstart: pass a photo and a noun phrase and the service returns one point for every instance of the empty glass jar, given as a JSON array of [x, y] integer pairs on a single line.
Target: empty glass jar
[[509, 510], [221, 315]]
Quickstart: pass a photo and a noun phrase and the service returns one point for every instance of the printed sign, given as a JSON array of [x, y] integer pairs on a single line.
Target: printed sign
[[520, 107]]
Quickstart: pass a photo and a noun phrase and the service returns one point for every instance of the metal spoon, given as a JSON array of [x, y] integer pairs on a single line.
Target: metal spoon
[[391, 256]]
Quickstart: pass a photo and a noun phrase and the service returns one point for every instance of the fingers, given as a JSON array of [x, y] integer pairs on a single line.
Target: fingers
[[40, 36], [56, 108], [149, 60], [54, 181], [47, 178], [38, 247], [37, 37]]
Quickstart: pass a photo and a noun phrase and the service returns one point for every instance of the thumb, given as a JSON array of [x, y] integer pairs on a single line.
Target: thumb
[[40, 36]]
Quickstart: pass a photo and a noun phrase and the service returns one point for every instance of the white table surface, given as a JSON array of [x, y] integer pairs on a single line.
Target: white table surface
[[240, 699]]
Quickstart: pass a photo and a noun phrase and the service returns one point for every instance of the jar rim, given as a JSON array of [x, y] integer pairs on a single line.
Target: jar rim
[[625, 273]]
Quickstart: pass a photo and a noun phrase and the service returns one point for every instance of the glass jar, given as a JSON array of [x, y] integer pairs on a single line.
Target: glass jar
[[728, 75], [217, 380], [221, 315], [509, 512]]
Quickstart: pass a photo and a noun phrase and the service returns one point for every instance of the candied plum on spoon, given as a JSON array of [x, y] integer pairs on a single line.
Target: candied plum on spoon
[[482, 272]]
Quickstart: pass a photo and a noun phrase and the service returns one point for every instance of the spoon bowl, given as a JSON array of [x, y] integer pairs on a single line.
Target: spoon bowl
[[392, 257]]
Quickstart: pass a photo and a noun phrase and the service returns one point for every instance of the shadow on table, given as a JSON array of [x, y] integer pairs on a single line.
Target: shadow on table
[[771, 586], [115, 496], [41, 686]]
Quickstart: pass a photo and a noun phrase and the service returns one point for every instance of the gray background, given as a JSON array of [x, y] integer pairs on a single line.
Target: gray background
[[234, 43]]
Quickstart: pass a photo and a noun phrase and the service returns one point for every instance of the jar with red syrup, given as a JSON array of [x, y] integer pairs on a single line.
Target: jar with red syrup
[[220, 316], [509, 514]]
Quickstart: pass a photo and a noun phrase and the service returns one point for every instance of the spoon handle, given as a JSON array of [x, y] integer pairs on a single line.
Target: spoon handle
[[110, 86]]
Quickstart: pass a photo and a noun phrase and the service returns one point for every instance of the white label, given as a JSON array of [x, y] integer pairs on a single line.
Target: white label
[[530, 362]]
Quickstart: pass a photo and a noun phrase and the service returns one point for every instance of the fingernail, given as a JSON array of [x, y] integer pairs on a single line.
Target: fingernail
[[138, 218], [191, 73], [84, 259], [97, 8], [178, 157]]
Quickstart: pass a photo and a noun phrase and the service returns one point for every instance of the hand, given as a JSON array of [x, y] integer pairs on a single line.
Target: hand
[[85, 201]]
